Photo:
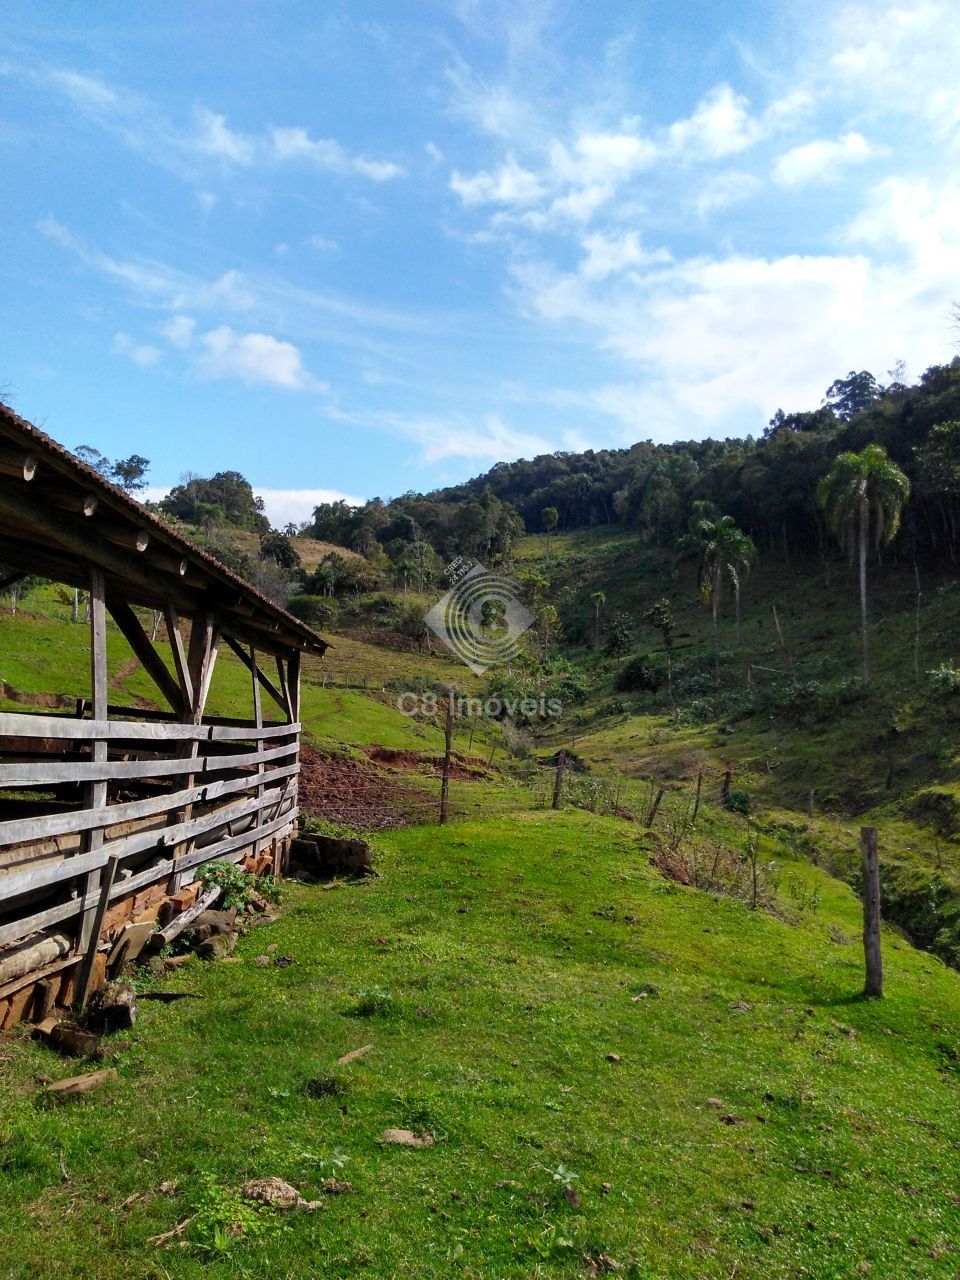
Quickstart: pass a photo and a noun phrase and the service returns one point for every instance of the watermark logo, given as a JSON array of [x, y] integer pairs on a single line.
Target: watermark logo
[[480, 618]]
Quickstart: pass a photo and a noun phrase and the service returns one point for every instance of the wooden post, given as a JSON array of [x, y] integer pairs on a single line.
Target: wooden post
[[558, 780], [87, 966], [448, 747], [870, 868], [258, 721], [696, 799], [725, 788], [654, 808], [97, 791]]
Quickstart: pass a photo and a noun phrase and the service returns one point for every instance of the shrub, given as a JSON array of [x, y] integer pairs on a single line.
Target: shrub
[[315, 611], [639, 674], [945, 678]]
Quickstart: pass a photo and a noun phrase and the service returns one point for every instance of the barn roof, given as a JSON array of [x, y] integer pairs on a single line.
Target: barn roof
[[58, 516]]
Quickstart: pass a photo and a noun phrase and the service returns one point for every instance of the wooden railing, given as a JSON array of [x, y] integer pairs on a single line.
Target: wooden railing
[[158, 796]]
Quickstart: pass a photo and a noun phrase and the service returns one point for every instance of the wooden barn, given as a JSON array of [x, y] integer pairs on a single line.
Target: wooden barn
[[108, 812]]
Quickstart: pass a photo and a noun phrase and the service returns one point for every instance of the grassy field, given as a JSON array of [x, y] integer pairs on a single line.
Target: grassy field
[[759, 1120]]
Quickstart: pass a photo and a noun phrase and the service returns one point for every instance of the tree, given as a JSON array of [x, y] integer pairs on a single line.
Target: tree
[[851, 395], [131, 473], [599, 600], [863, 494], [660, 616], [548, 519], [278, 547], [724, 552]]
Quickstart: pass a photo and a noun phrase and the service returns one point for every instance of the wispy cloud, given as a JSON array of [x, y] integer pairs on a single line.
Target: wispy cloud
[[824, 159], [207, 138]]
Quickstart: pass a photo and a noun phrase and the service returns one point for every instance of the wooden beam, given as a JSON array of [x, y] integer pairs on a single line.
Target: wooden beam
[[202, 655], [179, 654], [152, 663], [86, 971], [255, 670], [284, 686], [18, 462], [293, 684], [97, 791]]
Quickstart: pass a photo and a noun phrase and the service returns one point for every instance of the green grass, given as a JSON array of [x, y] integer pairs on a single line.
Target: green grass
[[499, 962]]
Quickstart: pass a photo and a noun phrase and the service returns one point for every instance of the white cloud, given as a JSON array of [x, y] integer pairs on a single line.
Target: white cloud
[[602, 158], [322, 243], [179, 331], [253, 358], [214, 137], [434, 152], [484, 438], [608, 255], [325, 153], [720, 126], [511, 184], [142, 354], [281, 506], [229, 290], [724, 190], [721, 341], [286, 506], [823, 160], [207, 201]]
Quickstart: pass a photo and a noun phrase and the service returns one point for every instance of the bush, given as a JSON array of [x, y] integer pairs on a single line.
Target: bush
[[945, 678], [315, 611], [639, 674]]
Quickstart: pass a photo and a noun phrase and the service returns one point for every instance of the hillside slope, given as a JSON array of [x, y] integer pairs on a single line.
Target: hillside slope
[[615, 1070]]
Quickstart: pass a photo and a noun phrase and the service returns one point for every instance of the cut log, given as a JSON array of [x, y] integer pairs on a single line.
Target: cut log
[[25, 957], [114, 1007], [176, 926], [74, 1041], [74, 1086]]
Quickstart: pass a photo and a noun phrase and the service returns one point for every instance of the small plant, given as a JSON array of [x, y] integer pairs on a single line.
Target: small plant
[[238, 885], [373, 1002], [222, 1217]]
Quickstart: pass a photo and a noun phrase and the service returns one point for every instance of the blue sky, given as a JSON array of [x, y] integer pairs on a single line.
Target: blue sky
[[357, 249]]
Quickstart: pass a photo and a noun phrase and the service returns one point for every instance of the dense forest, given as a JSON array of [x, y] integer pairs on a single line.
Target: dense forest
[[767, 484]]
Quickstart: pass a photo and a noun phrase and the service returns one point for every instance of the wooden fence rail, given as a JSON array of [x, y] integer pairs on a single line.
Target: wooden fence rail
[[241, 792]]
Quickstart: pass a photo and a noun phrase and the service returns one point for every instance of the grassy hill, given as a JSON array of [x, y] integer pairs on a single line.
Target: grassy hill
[[808, 743], [758, 1119]]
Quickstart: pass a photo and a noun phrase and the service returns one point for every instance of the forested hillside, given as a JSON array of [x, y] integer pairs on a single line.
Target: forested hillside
[[768, 484]]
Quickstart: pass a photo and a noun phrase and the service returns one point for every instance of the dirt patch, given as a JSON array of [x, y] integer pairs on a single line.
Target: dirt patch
[[465, 768], [360, 796]]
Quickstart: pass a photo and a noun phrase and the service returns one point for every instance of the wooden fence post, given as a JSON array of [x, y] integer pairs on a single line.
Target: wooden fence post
[[448, 746], [696, 799], [870, 867], [558, 780], [96, 795]]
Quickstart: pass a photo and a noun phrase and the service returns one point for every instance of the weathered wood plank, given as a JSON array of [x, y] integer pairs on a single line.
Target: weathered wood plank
[[23, 725], [97, 772], [22, 830], [18, 929], [55, 870]]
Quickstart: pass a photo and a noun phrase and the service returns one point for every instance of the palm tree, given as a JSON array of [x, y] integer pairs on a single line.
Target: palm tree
[[599, 599], [725, 551], [863, 495]]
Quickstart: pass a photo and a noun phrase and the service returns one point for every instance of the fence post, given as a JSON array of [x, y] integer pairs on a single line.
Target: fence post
[[696, 799], [870, 867], [448, 744], [558, 781]]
